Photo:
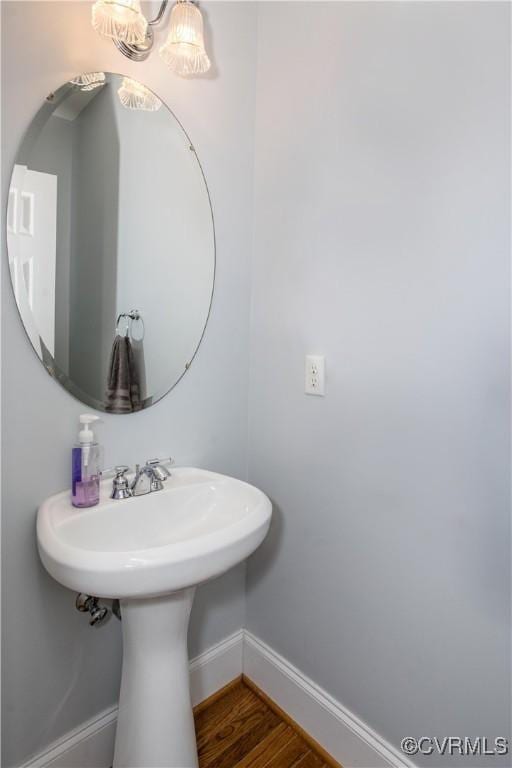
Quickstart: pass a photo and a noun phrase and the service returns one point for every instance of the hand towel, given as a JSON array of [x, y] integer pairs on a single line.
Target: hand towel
[[123, 388]]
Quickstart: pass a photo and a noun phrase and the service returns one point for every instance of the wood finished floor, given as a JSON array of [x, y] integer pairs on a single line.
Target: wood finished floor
[[238, 729]]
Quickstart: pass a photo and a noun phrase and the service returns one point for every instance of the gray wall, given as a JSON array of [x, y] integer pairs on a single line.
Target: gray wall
[[382, 241], [174, 298], [96, 176], [57, 672]]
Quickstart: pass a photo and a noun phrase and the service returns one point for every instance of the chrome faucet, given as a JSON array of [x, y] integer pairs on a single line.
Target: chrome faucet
[[150, 477]]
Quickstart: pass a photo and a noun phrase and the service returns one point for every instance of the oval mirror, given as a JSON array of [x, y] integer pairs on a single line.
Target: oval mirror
[[111, 242]]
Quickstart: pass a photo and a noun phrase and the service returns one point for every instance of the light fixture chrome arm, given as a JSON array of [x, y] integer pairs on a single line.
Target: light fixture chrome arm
[[141, 51], [159, 15]]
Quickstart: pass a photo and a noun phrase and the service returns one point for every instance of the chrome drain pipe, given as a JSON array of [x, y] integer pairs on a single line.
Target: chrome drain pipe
[[87, 603]]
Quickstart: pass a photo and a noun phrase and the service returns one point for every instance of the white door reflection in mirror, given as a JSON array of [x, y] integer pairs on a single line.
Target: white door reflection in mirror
[[32, 240]]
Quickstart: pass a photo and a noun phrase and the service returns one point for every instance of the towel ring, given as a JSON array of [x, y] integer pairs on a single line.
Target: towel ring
[[129, 317]]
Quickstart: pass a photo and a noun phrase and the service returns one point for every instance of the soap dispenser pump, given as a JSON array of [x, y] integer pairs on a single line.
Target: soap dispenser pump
[[86, 458]]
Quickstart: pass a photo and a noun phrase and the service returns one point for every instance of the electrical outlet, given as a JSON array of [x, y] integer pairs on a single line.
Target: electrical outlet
[[315, 375]]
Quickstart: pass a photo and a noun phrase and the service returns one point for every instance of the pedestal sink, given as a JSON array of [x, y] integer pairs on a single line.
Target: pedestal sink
[[150, 552]]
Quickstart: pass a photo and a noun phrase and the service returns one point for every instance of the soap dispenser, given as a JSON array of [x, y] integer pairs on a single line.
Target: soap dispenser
[[86, 469]]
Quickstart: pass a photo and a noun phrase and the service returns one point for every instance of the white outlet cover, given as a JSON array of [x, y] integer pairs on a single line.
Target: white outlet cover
[[315, 375]]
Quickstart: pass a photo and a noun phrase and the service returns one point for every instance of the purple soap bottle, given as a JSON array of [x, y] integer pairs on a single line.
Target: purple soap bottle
[[85, 461]]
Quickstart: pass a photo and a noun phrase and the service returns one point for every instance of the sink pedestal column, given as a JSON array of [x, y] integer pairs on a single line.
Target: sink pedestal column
[[155, 727]]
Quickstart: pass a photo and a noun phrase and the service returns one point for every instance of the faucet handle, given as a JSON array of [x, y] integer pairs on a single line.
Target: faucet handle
[[156, 462], [120, 487], [158, 469], [114, 471]]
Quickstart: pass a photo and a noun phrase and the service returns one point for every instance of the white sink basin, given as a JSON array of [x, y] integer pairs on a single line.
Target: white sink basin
[[196, 528], [151, 551]]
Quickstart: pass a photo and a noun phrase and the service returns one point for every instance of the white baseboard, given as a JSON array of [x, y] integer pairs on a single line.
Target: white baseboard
[[91, 745], [216, 667], [349, 740], [343, 735]]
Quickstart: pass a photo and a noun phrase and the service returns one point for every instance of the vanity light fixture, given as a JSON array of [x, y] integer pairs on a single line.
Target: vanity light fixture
[[120, 20], [184, 50], [89, 81], [131, 93], [123, 21], [134, 95]]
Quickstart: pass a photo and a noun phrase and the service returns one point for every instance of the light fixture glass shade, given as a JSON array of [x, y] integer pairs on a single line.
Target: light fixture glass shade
[[120, 20], [134, 95], [184, 50], [89, 80]]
